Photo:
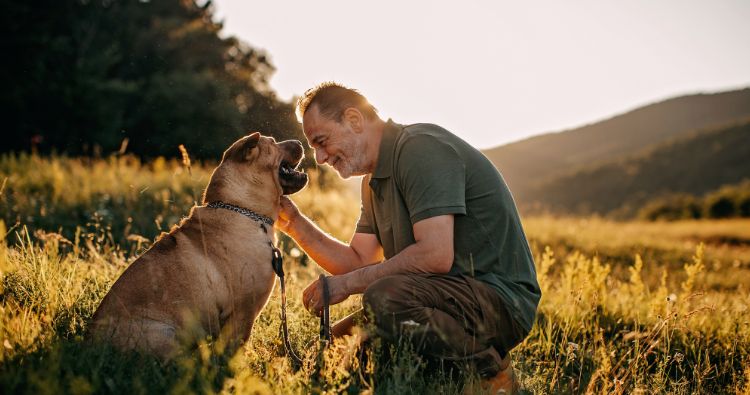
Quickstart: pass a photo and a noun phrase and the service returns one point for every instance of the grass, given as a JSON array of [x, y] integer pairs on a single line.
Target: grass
[[627, 307], [661, 245]]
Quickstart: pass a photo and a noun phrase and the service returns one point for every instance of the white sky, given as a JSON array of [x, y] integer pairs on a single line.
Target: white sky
[[494, 72]]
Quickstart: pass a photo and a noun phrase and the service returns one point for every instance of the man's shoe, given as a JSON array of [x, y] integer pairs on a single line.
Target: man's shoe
[[504, 382]]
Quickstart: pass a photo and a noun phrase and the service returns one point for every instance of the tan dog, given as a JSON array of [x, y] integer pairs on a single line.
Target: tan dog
[[212, 274]]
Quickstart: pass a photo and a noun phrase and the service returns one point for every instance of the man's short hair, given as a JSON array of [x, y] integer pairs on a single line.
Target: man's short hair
[[332, 99]]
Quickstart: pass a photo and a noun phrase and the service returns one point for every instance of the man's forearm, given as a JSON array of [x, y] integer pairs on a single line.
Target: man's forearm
[[432, 252], [332, 255], [415, 259]]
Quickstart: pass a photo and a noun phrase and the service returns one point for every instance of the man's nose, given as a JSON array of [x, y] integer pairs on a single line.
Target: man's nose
[[320, 156]]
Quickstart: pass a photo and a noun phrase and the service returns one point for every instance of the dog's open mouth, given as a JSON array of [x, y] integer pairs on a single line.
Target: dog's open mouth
[[290, 179]]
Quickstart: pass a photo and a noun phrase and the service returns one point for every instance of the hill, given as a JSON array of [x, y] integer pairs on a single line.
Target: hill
[[694, 164], [529, 164]]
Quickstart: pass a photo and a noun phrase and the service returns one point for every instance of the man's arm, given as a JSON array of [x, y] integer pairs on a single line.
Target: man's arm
[[432, 252], [332, 255]]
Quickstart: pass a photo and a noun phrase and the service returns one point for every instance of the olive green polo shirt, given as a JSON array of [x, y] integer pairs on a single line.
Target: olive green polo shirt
[[425, 171]]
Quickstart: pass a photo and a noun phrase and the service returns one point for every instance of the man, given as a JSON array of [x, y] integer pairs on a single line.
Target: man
[[438, 249]]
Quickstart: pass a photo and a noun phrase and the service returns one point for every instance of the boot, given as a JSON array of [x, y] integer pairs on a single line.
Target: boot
[[504, 382]]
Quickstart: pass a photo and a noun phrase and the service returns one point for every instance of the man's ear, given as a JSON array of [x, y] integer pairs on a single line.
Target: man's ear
[[355, 119]]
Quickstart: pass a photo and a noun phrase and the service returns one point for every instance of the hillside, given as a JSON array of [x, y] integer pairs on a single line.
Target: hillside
[[530, 163], [694, 164]]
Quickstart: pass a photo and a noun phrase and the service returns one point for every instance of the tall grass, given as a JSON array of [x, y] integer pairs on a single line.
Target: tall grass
[[623, 309], [661, 245], [128, 201]]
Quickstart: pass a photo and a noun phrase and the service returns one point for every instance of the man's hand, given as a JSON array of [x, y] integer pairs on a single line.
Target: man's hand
[[287, 214], [312, 296]]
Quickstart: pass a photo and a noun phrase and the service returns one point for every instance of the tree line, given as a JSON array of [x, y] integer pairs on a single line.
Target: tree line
[[88, 76], [729, 201]]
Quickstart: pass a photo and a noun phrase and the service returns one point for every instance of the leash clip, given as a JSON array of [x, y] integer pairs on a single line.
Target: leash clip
[[277, 262]]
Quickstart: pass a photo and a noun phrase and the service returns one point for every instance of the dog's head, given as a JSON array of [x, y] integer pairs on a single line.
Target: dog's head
[[259, 167]]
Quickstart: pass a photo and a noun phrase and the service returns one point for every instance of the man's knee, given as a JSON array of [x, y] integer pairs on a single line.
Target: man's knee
[[387, 296]]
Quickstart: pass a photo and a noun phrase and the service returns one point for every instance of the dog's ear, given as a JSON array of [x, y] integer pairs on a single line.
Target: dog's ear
[[241, 150], [251, 142]]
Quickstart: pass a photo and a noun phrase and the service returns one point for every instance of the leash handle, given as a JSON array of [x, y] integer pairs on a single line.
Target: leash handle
[[325, 318]]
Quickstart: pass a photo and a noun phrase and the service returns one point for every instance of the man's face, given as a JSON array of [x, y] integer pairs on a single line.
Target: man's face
[[335, 144]]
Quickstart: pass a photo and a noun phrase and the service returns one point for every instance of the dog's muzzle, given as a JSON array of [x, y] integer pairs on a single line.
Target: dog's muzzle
[[291, 180]]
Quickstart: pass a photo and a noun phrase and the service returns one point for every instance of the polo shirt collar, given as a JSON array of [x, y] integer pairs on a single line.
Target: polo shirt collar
[[384, 168]]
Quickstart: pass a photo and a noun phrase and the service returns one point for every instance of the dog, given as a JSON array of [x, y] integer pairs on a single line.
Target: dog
[[211, 275]]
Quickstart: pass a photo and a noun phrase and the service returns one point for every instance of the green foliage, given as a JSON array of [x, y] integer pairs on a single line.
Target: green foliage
[[743, 204], [729, 201], [87, 74], [671, 207], [719, 207]]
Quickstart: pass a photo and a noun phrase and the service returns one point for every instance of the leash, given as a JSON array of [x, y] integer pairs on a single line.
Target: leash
[[325, 318], [325, 332], [278, 266], [277, 262]]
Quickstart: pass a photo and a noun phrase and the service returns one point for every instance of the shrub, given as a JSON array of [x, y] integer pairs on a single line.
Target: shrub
[[725, 202], [670, 208], [719, 206], [743, 204]]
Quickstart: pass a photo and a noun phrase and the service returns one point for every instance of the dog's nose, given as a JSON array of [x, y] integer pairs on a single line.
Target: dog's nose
[[296, 143], [293, 147]]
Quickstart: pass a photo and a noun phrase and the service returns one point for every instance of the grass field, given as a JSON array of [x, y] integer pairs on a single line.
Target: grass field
[[627, 307]]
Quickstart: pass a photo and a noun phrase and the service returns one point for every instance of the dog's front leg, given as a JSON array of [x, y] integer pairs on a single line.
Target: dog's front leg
[[235, 331]]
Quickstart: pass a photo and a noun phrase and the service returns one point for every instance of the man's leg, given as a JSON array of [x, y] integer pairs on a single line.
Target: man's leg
[[456, 318], [349, 325]]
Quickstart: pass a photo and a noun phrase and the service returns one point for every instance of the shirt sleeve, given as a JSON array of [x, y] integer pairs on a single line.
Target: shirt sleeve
[[431, 177], [363, 224]]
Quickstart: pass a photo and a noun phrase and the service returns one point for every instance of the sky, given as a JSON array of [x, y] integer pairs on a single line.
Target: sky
[[494, 72]]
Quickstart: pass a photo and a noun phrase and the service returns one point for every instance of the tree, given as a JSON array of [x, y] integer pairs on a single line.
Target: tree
[[92, 72]]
